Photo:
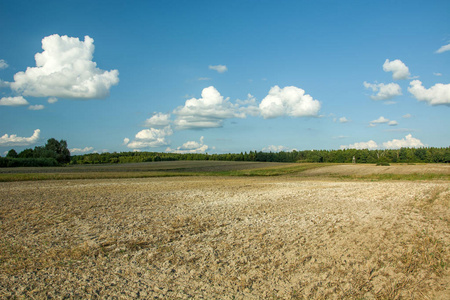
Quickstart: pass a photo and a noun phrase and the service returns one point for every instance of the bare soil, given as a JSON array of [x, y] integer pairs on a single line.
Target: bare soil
[[225, 238]]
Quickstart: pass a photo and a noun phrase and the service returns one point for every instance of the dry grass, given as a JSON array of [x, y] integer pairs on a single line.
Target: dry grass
[[224, 238]]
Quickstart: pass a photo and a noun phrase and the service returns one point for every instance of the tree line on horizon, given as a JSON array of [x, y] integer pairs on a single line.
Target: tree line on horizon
[[403, 155], [54, 153]]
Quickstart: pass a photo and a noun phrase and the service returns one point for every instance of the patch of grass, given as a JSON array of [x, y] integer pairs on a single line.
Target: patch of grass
[[198, 168], [289, 169], [426, 252], [194, 170], [408, 177], [91, 175]]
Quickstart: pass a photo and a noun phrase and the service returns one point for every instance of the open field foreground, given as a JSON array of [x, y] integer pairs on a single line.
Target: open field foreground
[[225, 238], [230, 168]]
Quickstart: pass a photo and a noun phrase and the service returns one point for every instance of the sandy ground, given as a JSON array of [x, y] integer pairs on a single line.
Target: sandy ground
[[224, 238]]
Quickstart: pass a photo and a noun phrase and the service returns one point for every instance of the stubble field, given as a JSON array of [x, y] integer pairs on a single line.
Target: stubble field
[[310, 234]]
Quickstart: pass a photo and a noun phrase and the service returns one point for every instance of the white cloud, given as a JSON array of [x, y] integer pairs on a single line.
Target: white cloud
[[398, 68], [14, 140], [362, 145], [443, 49], [79, 150], [249, 106], [289, 101], [219, 68], [438, 94], [126, 141], [393, 123], [273, 148], [13, 101], [52, 100], [380, 120], [407, 116], [3, 64], [407, 142], [209, 111], [437, 74], [158, 120], [36, 107], [384, 91], [4, 84], [190, 147], [65, 69], [204, 78], [343, 120], [150, 138]]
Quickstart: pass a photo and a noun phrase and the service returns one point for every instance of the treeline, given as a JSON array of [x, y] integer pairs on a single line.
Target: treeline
[[403, 155], [54, 153]]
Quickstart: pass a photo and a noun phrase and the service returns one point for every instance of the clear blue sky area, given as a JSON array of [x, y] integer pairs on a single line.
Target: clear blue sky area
[[224, 76]]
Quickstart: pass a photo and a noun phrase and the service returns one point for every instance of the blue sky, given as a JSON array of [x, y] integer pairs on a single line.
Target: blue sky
[[224, 76]]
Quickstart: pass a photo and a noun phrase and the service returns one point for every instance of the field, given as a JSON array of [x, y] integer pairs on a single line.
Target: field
[[226, 230]]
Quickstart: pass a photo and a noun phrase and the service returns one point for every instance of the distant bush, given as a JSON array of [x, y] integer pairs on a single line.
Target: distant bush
[[383, 163], [27, 162], [54, 153]]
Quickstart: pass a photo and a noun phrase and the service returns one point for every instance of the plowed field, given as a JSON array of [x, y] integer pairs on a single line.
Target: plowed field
[[225, 238]]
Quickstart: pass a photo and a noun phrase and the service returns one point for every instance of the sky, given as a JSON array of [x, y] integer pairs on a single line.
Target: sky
[[224, 76]]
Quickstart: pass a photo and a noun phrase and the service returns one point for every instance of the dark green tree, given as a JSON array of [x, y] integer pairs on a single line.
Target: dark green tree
[[60, 150], [12, 154], [27, 153]]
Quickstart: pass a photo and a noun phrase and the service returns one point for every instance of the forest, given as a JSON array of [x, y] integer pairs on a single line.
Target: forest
[[403, 155], [56, 153]]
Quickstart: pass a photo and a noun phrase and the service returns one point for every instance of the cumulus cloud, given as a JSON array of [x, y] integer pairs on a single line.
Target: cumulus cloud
[[13, 101], [248, 106], [380, 120], [36, 107], [4, 84], [219, 68], [384, 91], [190, 147], [438, 94], [3, 64], [343, 120], [398, 68], [393, 123], [14, 140], [443, 49], [158, 120], [52, 100], [126, 141], [273, 148], [150, 138], [209, 111], [407, 142], [289, 101], [362, 145], [65, 69], [81, 150]]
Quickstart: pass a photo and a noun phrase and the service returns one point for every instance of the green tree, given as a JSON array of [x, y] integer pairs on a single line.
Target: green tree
[[27, 153], [12, 154], [60, 150]]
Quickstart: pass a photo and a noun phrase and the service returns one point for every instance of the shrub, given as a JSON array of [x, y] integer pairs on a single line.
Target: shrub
[[27, 162]]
